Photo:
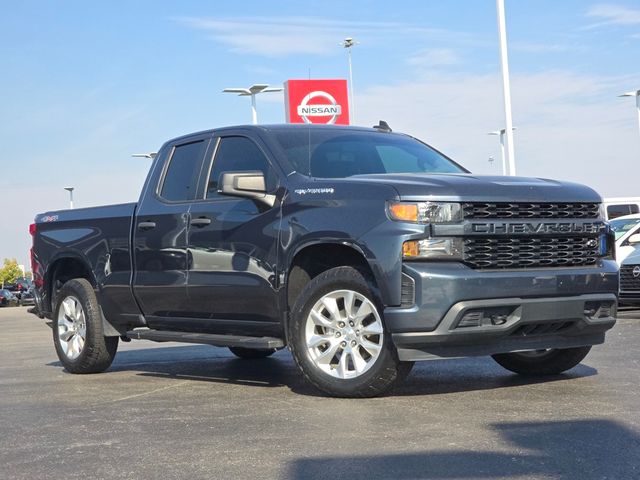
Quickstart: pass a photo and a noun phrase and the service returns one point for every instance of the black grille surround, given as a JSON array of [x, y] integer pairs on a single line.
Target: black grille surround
[[629, 283], [531, 251], [505, 210]]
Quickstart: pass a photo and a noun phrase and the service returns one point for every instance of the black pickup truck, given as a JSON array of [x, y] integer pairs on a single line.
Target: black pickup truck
[[361, 250]]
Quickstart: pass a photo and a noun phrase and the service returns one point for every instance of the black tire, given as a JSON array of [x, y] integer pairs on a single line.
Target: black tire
[[252, 353], [551, 362], [380, 376], [98, 351]]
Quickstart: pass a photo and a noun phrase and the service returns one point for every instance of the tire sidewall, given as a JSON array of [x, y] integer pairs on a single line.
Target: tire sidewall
[[347, 279], [78, 290]]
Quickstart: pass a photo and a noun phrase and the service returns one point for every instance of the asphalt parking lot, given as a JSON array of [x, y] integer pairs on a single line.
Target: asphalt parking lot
[[182, 411]]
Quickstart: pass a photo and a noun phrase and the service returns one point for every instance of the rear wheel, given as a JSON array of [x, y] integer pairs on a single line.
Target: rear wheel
[[338, 339], [252, 353], [542, 362], [77, 330]]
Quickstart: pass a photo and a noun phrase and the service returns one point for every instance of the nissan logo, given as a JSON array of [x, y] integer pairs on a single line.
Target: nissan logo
[[306, 110], [636, 271]]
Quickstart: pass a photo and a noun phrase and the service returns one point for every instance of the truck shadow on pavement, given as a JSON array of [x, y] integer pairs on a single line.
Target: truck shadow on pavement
[[578, 449], [217, 365]]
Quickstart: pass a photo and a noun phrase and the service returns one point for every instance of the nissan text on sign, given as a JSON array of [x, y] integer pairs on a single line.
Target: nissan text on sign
[[317, 101]]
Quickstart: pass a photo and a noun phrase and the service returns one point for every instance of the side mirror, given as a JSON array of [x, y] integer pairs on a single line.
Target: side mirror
[[246, 184], [633, 239]]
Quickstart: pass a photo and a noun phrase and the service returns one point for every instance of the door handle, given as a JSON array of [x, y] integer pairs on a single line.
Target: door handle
[[146, 225], [200, 222]]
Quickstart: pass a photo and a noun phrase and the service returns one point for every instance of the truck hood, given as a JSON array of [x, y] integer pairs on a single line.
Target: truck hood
[[480, 188]]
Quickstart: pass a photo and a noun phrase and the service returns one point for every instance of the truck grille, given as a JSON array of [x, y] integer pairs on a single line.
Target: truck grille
[[530, 210], [627, 281], [499, 252]]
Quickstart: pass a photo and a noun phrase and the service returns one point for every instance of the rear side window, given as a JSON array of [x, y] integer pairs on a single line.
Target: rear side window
[[181, 177], [238, 154]]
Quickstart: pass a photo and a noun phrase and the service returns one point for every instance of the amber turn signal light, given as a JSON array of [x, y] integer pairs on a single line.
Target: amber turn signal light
[[404, 211], [410, 249]]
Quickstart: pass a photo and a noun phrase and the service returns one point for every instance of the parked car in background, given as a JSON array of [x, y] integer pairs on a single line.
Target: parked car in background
[[7, 298], [625, 230], [630, 280], [19, 286], [27, 298], [621, 206]]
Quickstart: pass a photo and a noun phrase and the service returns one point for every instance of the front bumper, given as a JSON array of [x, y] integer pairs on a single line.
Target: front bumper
[[538, 309]]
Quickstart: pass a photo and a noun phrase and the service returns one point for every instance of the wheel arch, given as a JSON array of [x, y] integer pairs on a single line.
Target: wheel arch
[[312, 258], [62, 269]]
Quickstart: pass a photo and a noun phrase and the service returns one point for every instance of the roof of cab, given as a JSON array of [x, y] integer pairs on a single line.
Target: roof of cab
[[279, 127]]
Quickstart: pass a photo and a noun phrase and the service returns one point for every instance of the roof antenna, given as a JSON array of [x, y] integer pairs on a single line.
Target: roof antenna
[[383, 126]]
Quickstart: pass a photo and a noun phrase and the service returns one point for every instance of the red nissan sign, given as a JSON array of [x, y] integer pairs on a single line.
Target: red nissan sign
[[317, 101]]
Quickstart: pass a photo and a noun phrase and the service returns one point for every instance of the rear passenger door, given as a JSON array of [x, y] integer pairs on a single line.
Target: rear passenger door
[[232, 245], [160, 233]]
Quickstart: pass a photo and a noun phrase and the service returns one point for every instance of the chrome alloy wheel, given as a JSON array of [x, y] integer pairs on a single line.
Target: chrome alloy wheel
[[72, 327], [344, 334]]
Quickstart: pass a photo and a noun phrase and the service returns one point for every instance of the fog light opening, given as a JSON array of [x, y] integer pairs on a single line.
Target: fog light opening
[[486, 317], [596, 310]]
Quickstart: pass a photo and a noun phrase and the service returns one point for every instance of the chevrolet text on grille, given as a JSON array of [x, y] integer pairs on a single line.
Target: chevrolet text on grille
[[533, 227]]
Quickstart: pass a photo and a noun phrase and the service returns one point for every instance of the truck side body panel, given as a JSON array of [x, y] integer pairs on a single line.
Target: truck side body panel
[[98, 238]]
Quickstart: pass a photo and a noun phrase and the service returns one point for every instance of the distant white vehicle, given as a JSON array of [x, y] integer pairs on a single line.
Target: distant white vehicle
[[621, 206], [627, 232]]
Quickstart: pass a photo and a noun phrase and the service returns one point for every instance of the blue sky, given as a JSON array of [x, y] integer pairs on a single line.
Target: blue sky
[[85, 84]]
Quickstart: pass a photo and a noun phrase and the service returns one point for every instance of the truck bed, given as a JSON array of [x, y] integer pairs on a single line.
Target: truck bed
[[102, 236]]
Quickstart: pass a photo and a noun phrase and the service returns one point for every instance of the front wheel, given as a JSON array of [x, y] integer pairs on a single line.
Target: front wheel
[[338, 339], [77, 330], [542, 362]]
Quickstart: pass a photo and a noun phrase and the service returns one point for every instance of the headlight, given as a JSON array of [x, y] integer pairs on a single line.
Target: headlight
[[433, 248], [425, 212]]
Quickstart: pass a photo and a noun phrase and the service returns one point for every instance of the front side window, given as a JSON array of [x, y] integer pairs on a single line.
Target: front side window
[[238, 154], [181, 177]]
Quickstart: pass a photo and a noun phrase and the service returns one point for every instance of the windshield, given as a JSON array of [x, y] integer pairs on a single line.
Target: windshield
[[339, 154], [621, 226]]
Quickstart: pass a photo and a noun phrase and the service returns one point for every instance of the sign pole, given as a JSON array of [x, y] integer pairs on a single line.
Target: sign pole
[[502, 31]]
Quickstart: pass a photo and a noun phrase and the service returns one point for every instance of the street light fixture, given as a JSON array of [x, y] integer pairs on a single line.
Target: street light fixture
[[70, 190], [501, 135], [252, 91], [637, 95], [348, 43], [506, 87]]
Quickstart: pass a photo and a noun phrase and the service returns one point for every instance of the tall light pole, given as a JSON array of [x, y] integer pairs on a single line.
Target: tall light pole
[[70, 190], [637, 95], [502, 32], [348, 43], [500, 134], [252, 91]]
